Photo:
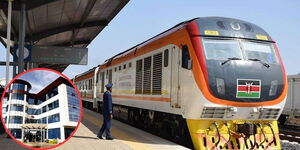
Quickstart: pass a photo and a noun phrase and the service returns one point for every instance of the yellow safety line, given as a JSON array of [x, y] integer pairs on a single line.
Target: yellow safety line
[[131, 142]]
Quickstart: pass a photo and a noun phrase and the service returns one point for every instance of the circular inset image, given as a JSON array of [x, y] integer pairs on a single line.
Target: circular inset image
[[41, 109]]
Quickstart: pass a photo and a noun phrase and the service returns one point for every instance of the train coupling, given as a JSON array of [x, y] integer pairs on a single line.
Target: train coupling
[[247, 129]]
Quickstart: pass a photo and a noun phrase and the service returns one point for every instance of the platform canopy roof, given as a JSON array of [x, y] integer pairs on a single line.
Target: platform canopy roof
[[34, 126], [72, 23]]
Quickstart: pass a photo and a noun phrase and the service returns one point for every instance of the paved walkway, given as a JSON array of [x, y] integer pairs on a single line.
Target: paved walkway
[[9, 144], [126, 137]]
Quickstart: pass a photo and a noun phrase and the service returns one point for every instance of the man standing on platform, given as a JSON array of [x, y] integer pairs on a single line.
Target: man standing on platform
[[107, 113]]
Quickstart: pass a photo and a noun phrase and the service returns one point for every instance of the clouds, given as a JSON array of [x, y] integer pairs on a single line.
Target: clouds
[[39, 79]]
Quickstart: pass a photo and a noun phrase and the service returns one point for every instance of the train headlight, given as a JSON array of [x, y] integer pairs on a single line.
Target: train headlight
[[273, 88], [220, 86]]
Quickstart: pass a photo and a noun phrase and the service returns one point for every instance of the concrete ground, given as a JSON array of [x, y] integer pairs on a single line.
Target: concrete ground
[[9, 144], [126, 137]]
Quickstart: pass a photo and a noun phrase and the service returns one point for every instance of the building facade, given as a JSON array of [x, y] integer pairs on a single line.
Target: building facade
[[53, 113]]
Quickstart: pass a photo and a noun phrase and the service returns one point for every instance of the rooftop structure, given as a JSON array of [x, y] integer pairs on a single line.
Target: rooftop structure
[[70, 23]]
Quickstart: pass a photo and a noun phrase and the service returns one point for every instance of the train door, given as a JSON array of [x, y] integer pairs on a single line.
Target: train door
[[175, 86], [184, 75], [181, 66]]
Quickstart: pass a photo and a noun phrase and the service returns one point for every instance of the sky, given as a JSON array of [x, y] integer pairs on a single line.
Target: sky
[[141, 20], [39, 79]]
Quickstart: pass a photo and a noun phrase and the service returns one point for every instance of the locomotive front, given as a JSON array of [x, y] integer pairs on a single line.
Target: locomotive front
[[243, 84]]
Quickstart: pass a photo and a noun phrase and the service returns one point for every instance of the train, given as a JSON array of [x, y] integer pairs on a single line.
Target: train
[[290, 116], [207, 83]]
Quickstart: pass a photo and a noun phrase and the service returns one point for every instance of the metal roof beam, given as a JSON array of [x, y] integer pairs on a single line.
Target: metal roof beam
[[2, 41], [58, 67], [73, 43], [30, 4], [13, 28], [15, 5], [49, 32], [83, 18]]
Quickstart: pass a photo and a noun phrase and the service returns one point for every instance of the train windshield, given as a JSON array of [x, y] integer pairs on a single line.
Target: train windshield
[[239, 50], [259, 51], [222, 49]]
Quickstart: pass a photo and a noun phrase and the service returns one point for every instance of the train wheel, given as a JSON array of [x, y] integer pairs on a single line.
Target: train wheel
[[174, 130], [130, 116]]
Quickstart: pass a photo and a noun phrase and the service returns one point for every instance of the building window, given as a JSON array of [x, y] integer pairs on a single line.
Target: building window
[[54, 133], [50, 106], [73, 104], [37, 112], [15, 119], [68, 132], [16, 107], [18, 86], [17, 96], [53, 118], [56, 104], [44, 109], [17, 133], [44, 120], [32, 121], [38, 101], [31, 101], [31, 111], [51, 93]]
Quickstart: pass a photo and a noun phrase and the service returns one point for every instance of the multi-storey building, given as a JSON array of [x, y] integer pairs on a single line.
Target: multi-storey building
[[53, 113]]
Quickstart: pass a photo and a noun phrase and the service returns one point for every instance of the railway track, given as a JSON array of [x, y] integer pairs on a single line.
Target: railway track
[[290, 135]]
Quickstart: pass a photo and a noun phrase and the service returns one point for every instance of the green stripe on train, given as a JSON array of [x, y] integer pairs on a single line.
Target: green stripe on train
[[250, 95]]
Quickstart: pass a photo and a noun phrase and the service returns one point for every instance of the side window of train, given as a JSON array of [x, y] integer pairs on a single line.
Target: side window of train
[[97, 77], [186, 60], [102, 82], [166, 58], [130, 65], [106, 74], [110, 76]]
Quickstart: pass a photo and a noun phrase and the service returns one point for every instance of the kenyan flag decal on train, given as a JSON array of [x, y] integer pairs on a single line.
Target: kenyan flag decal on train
[[248, 88]]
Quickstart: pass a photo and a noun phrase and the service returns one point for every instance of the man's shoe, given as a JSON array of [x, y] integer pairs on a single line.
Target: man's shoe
[[109, 138], [100, 137]]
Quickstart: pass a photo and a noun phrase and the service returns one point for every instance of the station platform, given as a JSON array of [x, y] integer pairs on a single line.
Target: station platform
[[125, 137]]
